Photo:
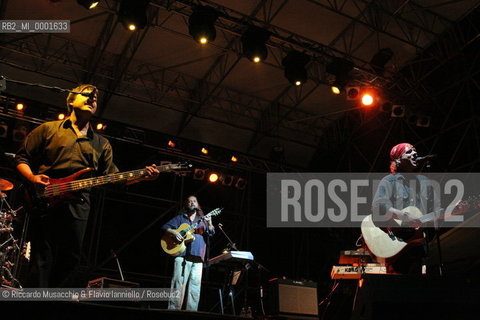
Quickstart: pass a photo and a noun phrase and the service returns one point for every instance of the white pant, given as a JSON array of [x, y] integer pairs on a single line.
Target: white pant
[[186, 275]]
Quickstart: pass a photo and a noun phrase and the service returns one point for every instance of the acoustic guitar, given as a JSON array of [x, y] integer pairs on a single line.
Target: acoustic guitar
[[387, 243], [169, 243]]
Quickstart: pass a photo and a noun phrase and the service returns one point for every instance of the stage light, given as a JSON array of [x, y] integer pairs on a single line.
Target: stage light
[[19, 133], [294, 67], [352, 93], [199, 174], [204, 151], [380, 59], [341, 69], [234, 159], [336, 90], [100, 126], [367, 99], [241, 183], [171, 144], [20, 106], [213, 177], [133, 14], [3, 129], [227, 180], [201, 24], [253, 44], [88, 4], [398, 111], [423, 121], [61, 116]]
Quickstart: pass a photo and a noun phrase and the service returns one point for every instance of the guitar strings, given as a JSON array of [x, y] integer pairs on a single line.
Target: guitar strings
[[59, 188]]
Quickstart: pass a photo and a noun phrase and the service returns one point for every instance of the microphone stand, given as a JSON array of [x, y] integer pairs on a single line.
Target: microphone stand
[[118, 264], [232, 245], [3, 86], [437, 230]]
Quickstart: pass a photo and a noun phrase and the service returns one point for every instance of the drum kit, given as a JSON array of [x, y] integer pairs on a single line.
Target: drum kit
[[9, 245]]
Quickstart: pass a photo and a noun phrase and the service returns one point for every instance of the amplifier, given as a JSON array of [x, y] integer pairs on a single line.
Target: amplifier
[[295, 298], [355, 272], [111, 283]]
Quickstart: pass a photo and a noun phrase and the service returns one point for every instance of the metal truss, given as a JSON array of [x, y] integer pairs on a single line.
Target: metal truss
[[153, 140]]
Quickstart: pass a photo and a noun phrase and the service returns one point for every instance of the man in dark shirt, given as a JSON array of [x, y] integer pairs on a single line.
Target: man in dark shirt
[[58, 149], [401, 189], [188, 267]]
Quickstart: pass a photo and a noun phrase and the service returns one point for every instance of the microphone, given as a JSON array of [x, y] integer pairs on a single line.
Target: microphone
[[426, 158], [90, 95]]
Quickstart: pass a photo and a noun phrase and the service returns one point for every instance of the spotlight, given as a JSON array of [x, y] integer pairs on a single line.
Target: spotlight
[[88, 4], [61, 116], [201, 24], [3, 130], [20, 106], [241, 183], [352, 93], [367, 99], [204, 151], [423, 121], [19, 133], [234, 159], [398, 111], [171, 144], [380, 59], [213, 177], [294, 65], [199, 174], [227, 180], [253, 44], [101, 126], [340, 68], [133, 14], [336, 89]]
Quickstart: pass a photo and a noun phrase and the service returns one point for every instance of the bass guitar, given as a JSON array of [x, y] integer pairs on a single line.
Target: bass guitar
[[388, 243], [174, 248], [64, 189]]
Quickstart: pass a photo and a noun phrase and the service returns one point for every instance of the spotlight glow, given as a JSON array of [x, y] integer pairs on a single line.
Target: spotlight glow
[[20, 106], [213, 177], [256, 59], [335, 90], [61, 116], [132, 27], [367, 99], [234, 159], [203, 40], [298, 83], [101, 126], [171, 144], [204, 150]]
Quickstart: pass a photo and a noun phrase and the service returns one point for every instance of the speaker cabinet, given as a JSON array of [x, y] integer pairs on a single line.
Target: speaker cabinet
[[292, 298]]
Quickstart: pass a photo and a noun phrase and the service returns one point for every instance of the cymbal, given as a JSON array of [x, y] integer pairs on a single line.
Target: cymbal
[[5, 185]]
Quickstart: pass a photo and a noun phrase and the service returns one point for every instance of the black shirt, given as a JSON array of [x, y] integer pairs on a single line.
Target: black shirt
[[54, 149]]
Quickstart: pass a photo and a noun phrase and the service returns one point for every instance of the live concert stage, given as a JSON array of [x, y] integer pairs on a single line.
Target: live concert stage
[[267, 159]]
